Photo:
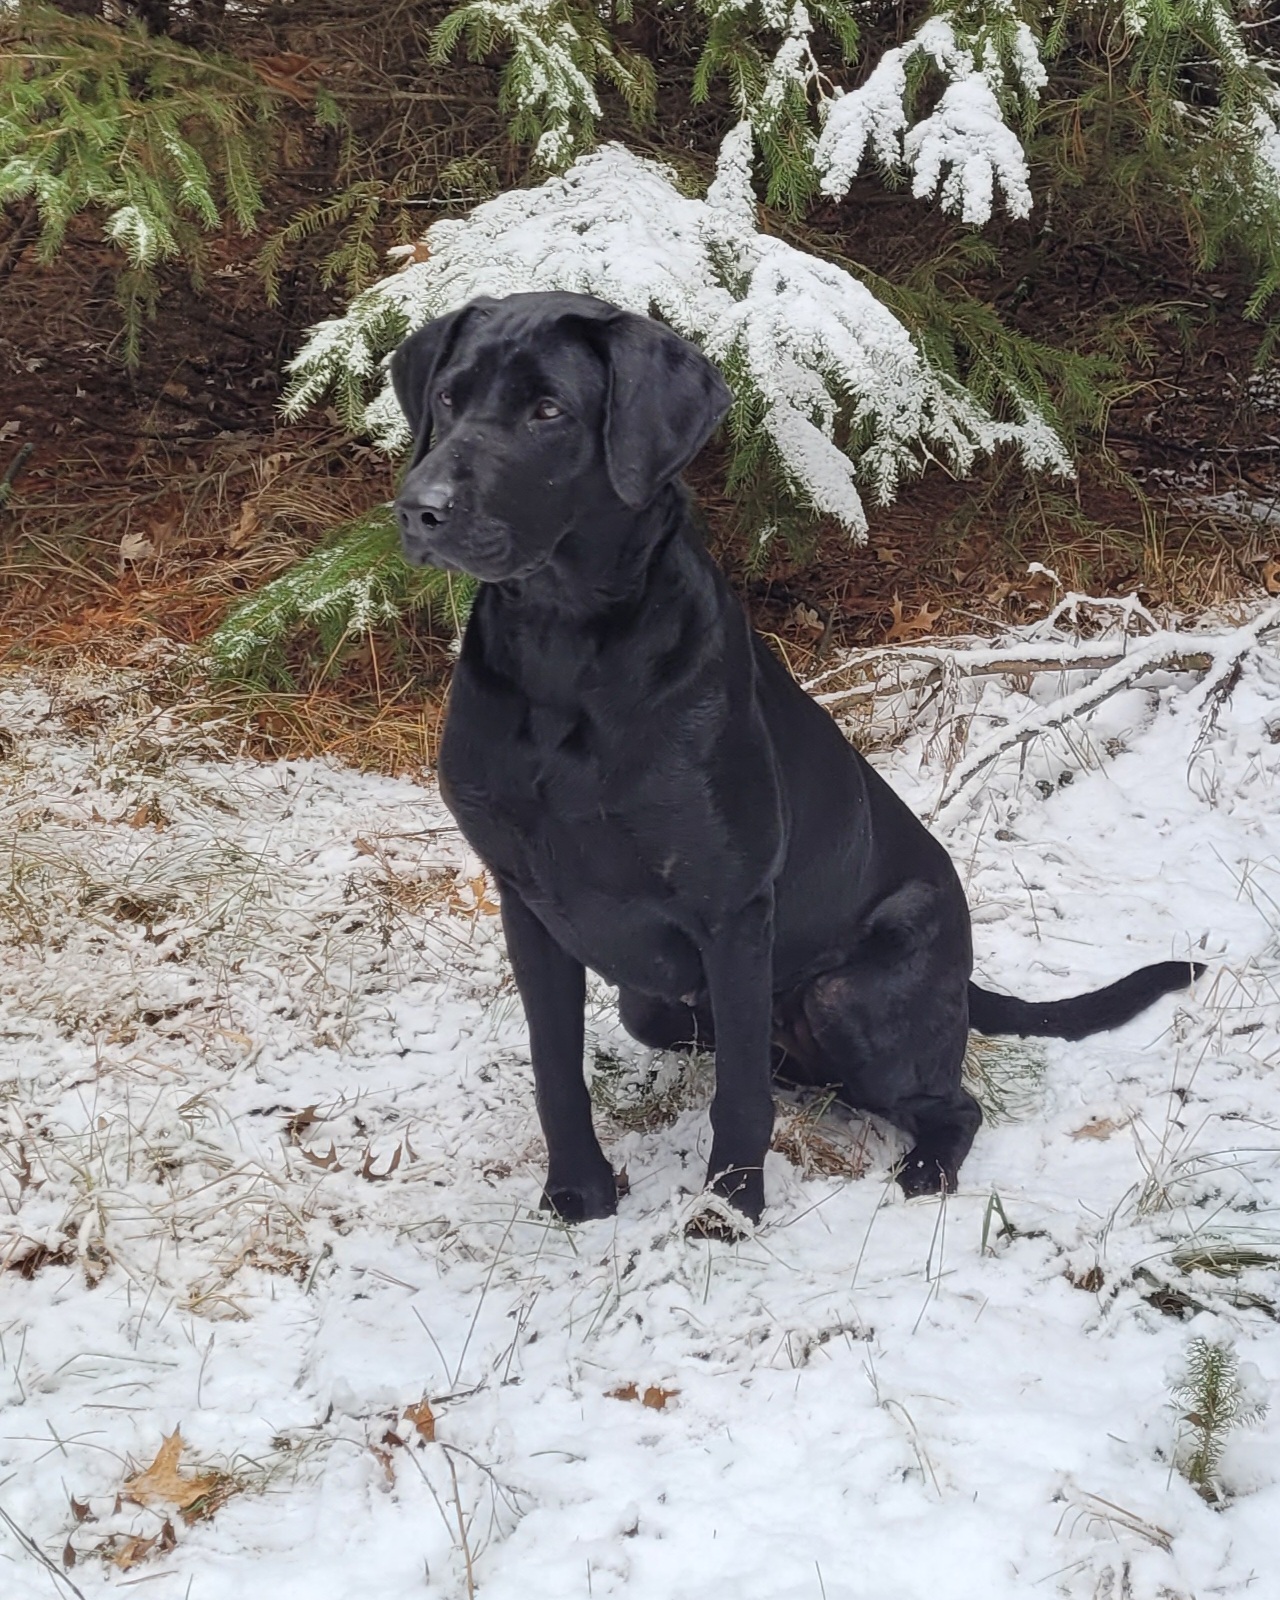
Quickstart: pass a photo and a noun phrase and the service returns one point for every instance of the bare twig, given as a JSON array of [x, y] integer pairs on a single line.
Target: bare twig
[[33, 1549]]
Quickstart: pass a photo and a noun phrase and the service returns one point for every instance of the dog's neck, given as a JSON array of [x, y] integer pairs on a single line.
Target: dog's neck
[[620, 577]]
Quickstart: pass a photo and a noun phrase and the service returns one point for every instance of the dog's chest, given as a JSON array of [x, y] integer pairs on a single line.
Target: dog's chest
[[543, 792]]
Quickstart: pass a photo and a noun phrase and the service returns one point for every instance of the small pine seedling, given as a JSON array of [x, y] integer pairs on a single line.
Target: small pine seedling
[[1214, 1392]]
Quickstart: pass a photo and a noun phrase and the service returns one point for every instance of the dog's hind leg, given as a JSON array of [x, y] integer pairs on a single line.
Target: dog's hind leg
[[943, 1130], [887, 1030]]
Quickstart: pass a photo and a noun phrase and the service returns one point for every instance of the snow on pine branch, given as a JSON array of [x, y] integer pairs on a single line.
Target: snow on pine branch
[[814, 358], [964, 148]]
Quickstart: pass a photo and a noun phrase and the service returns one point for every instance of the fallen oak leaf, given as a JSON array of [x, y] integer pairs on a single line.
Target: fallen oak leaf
[[907, 627], [299, 1122], [654, 1397], [387, 1462], [480, 903], [1098, 1128], [366, 1169], [131, 1551], [163, 1483], [423, 1419], [329, 1163]]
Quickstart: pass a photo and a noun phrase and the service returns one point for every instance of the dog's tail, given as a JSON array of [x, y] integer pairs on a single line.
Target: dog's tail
[[1083, 1014]]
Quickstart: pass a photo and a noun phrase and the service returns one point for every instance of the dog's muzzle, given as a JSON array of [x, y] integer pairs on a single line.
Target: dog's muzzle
[[420, 515]]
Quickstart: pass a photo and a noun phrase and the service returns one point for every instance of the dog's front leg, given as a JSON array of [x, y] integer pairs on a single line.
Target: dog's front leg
[[738, 964], [552, 985]]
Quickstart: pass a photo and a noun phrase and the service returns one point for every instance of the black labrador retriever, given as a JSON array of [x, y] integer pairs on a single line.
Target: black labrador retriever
[[656, 797]]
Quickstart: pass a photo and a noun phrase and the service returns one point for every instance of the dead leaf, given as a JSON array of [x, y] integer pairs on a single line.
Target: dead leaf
[[285, 73], [423, 1419], [136, 547], [327, 1163], [80, 1510], [133, 1550], [68, 1555], [299, 1122], [247, 526], [387, 1461], [408, 255], [1091, 1280], [807, 620], [362, 847], [653, 1397], [889, 558], [908, 627], [479, 903], [366, 1169], [1099, 1128], [162, 1483], [1271, 575], [147, 815]]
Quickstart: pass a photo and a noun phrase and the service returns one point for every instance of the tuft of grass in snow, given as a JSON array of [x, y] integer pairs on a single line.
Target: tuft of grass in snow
[[643, 1093], [1224, 1255], [804, 1135], [1004, 1076]]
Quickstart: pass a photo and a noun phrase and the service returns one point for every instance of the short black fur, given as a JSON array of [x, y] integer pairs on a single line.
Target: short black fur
[[656, 797]]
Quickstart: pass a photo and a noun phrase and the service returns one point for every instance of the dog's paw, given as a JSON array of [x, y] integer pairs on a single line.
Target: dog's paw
[[922, 1173], [732, 1197], [582, 1202], [716, 1221]]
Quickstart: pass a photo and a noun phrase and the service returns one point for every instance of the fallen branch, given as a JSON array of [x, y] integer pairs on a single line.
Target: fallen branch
[[1222, 658], [997, 663]]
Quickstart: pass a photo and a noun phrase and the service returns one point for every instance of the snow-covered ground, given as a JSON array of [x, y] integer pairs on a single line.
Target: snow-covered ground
[[270, 1163]]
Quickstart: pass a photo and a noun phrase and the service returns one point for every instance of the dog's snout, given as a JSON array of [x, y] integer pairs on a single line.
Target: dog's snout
[[421, 510]]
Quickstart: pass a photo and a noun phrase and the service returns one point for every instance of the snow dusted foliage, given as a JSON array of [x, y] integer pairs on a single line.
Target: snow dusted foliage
[[826, 378], [557, 51], [964, 150]]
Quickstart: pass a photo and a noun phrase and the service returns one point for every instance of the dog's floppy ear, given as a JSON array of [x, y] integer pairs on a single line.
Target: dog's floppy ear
[[415, 363], [665, 399]]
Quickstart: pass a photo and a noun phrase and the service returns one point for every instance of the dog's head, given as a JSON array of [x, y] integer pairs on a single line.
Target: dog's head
[[535, 414]]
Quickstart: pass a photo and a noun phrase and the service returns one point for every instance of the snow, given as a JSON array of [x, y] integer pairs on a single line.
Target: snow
[[231, 993]]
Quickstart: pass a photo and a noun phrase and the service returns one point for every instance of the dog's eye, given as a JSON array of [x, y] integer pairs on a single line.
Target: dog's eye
[[445, 398], [547, 411]]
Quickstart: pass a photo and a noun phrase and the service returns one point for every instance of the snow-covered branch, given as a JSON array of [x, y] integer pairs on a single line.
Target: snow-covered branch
[[816, 360], [964, 148]]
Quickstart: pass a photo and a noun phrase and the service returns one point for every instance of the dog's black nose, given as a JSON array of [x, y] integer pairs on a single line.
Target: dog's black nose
[[423, 509]]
